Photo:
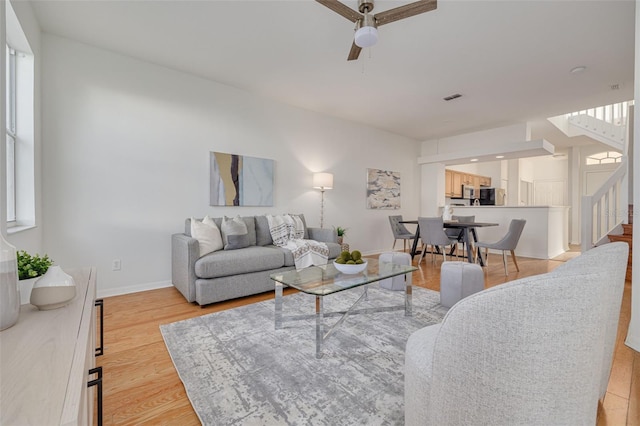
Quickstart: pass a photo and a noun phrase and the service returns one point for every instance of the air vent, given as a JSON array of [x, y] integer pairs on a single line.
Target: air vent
[[452, 97]]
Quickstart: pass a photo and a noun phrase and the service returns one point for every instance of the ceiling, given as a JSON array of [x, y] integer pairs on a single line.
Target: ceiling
[[510, 60]]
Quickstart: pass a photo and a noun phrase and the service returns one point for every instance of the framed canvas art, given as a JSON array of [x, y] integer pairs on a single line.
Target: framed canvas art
[[383, 189], [239, 180]]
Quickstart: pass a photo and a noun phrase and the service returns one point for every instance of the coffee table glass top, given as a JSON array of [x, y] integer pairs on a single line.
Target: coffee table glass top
[[326, 279]]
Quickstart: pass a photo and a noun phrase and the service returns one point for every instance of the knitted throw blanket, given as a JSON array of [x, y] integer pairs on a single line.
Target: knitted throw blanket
[[287, 231]]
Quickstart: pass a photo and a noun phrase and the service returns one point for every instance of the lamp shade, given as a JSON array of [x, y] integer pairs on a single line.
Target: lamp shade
[[323, 180], [366, 36]]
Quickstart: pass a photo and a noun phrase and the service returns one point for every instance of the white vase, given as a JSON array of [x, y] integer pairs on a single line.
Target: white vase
[[53, 290], [9, 289], [447, 213]]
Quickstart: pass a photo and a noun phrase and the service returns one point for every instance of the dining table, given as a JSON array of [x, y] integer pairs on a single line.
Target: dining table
[[468, 234]]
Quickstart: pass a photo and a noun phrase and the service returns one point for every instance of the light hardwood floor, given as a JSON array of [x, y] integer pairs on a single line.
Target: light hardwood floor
[[141, 385]]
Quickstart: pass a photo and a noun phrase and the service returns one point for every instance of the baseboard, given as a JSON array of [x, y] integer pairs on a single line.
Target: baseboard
[[133, 289], [633, 343]]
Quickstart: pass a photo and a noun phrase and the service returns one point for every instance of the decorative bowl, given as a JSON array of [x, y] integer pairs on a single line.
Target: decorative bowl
[[350, 269]]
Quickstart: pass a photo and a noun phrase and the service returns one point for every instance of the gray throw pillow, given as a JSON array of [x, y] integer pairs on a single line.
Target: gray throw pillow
[[234, 233]]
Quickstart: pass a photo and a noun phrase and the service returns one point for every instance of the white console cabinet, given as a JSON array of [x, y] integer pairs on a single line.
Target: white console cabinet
[[45, 360]]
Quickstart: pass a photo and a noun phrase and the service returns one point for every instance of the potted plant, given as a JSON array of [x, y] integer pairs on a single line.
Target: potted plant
[[32, 266], [29, 269], [341, 233]]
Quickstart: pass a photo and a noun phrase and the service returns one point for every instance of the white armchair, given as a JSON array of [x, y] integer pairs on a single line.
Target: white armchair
[[535, 351]]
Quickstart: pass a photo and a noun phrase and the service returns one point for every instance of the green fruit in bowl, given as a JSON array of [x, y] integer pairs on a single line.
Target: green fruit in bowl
[[359, 261], [355, 255], [351, 262], [341, 260]]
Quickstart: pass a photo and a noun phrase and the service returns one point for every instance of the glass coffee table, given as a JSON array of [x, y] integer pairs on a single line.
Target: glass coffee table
[[321, 281]]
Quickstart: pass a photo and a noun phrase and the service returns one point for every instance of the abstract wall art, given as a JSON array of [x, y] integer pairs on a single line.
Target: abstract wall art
[[383, 189], [239, 180]]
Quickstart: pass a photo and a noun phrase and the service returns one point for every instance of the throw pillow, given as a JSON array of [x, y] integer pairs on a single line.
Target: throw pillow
[[234, 233], [207, 234]]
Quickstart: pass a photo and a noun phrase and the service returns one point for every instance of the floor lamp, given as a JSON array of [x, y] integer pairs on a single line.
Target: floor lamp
[[322, 181]]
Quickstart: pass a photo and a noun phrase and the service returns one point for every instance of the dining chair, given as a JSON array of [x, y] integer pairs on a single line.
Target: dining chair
[[456, 234], [400, 232], [508, 242], [432, 234]]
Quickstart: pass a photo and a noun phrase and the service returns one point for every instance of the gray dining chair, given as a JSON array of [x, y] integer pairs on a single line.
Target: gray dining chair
[[508, 242], [400, 232], [432, 234], [455, 234]]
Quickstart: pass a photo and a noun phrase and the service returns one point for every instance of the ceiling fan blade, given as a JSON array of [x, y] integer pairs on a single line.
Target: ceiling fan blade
[[354, 52], [405, 11], [341, 9]]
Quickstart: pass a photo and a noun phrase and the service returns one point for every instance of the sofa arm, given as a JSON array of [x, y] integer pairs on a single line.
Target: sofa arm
[[324, 235], [185, 251]]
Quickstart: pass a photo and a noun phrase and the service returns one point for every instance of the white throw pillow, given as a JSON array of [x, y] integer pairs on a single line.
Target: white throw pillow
[[234, 233], [207, 234]]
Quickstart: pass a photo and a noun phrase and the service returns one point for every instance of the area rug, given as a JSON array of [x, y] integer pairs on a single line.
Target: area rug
[[238, 370]]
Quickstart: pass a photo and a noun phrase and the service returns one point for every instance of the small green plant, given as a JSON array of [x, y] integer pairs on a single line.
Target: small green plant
[[341, 231], [32, 266]]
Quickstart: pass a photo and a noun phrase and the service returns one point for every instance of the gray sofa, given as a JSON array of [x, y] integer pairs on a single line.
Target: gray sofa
[[228, 274]]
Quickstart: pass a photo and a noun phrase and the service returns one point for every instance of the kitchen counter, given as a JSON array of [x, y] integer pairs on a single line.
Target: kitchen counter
[[545, 236]]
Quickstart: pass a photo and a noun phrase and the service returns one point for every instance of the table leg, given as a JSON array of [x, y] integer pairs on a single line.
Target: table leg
[[467, 242], [475, 239], [414, 246], [319, 326], [278, 303], [408, 306]]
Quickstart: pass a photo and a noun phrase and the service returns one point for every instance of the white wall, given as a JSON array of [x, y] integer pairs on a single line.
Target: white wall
[[487, 138], [633, 337], [550, 180], [126, 146], [3, 125]]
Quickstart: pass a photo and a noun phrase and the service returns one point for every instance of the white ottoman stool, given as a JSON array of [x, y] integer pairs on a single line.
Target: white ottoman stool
[[459, 280], [398, 282]]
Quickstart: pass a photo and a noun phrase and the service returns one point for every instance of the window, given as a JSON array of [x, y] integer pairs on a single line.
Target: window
[[609, 157], [11, 134], [20, 133]]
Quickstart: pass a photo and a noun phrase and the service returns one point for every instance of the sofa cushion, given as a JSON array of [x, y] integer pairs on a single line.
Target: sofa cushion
[[234, 262], [207, 234], [234, 233], [263, 235], [334, 250]]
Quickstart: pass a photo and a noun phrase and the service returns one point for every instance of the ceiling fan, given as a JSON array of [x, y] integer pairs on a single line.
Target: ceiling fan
[[366, 23]]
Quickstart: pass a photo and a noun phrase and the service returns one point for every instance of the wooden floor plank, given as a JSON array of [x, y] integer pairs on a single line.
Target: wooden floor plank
[[141, 385], [633, 416]]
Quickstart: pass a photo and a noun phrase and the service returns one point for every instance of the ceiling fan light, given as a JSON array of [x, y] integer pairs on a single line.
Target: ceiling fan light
[[366, 36]]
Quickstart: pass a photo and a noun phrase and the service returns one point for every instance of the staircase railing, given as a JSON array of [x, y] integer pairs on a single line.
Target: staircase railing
[[605, 209], [616, 114], [607, 124]]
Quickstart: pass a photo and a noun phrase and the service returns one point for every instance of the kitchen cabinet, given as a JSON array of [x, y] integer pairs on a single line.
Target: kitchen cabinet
[[454, 181], [458, 180], [448, 183], [485, 181]]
